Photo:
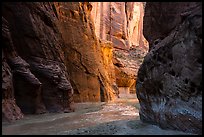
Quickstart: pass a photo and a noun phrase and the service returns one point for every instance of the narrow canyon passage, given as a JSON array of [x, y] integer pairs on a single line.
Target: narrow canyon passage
[[110, 68]]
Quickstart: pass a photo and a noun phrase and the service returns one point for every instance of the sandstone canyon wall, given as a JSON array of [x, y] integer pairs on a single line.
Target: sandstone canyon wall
[[84, 54], [119, 22], [58, 53], [122, 24], [52, 58], [169, 84], [35, 55]]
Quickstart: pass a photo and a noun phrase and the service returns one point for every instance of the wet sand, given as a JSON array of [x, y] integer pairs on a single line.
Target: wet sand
[[120, 117]]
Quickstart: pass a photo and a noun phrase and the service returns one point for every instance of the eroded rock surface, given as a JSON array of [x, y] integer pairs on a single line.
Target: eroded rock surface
[[54, 57], [30, 32], [126, 63], [27, 87], [122, 24], [84, 54], [119, 22], [163, 17], [57, 92], [10, 111], [169, 84]]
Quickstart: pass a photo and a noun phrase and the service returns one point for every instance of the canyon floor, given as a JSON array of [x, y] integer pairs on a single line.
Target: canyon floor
[[120, 117]]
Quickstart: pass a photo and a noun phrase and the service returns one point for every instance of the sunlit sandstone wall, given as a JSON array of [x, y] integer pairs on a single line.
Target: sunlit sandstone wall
[[122, 24], [119, 22]]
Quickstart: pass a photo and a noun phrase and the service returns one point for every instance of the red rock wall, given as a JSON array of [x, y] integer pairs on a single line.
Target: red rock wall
[[10, 110], [119, 22], [35, 56], [122, 24], [83, 52]]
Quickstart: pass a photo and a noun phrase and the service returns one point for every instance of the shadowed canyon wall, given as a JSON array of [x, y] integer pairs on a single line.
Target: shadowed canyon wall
[[52, 58], [36, 58], [169, 84]]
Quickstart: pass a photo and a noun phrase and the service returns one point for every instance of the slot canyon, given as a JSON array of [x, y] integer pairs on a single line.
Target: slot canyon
[[102, 68]]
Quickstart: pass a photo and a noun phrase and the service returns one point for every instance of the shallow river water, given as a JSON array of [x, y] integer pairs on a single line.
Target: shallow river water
[[120, 117]]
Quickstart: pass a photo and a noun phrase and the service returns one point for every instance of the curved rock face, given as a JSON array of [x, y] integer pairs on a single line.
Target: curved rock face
[[26, 86], [10, 111], [34, 52], [169, 84]]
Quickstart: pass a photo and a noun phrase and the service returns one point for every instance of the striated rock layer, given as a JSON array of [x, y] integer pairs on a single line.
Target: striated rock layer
[[169, 84], [119, 22], [122, 24]]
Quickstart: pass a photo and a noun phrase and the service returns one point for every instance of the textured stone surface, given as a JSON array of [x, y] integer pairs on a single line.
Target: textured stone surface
[[119, 22], [83, 53], [110, 22], [27, 87], [169, 84], [107, 57], [56, 58], [10, 111], [126, 66], [34, 50], [134, 14], [122, 24], [57, 92], [163, 17]]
